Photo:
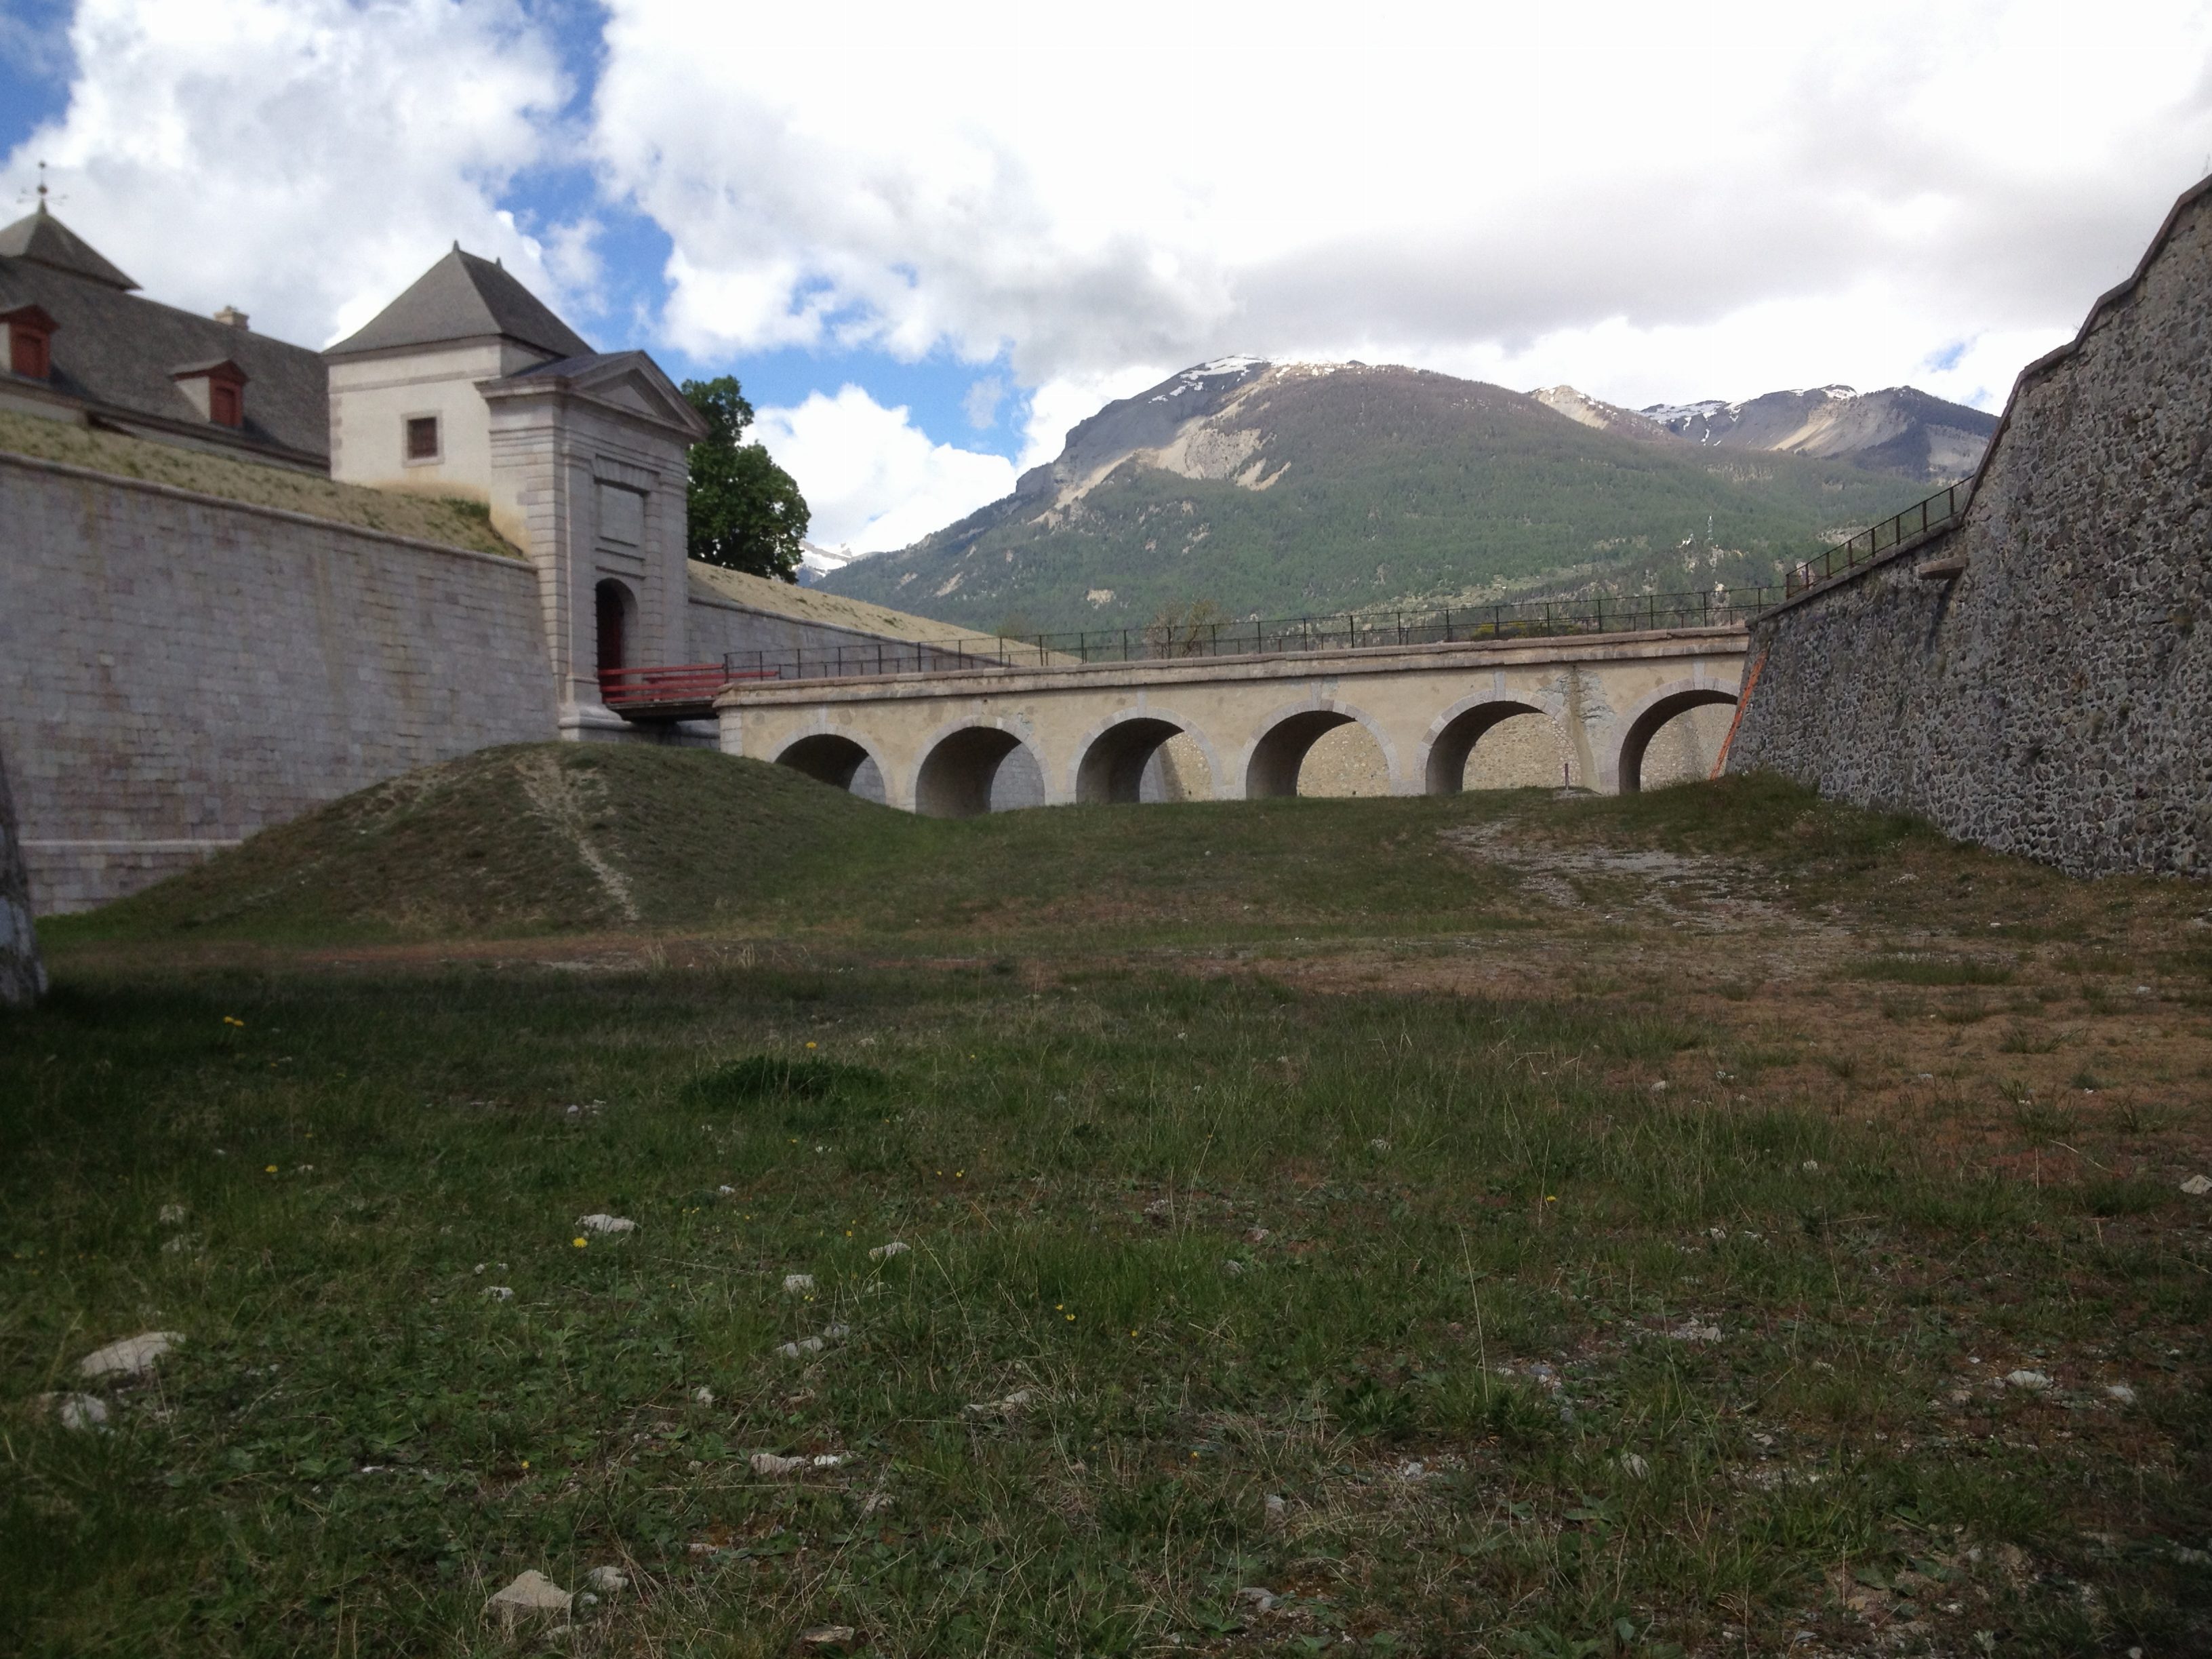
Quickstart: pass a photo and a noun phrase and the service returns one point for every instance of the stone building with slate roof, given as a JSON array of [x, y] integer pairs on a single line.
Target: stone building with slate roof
[[192, 649], [82, 345]]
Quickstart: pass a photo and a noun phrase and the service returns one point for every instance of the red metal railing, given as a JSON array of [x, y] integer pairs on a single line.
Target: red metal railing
[[671, 690]]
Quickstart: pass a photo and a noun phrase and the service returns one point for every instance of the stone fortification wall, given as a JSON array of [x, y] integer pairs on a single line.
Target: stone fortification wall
[[2053, 698], [23, 976], [178, 671]]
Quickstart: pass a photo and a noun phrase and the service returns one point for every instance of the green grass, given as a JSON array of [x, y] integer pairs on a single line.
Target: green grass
[[1243, 1214]]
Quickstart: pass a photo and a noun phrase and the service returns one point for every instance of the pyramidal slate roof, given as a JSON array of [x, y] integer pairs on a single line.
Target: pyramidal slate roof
[[465, 298], [44, 240]]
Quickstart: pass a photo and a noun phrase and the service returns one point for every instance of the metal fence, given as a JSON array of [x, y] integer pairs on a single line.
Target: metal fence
[[1939, 512], [1469, 624]]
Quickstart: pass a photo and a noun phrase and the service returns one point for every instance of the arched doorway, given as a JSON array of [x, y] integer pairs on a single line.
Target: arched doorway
[[1646, 727], [956, 777], [616, 611]]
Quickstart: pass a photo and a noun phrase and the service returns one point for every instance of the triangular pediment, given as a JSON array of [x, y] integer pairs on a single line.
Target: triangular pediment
[[632, 381]]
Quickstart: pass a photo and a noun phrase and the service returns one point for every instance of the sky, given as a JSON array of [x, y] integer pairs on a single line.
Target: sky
[[927, 240]]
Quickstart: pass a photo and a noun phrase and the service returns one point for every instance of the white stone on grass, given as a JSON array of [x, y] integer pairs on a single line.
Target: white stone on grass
[[531, 1593], [172, 1214], [2121, 1393], [702, 1396], [799, 1283], [2035, 1381], [827, 1636], [1693, 1332], [500, 1292], [1634, 1466], [802, 1347], [885, 1252], [1013, 1404], [607, 1581], [2197, 1186], [134, 1356], [606, 1223], [76, 1410], [771, 1467]]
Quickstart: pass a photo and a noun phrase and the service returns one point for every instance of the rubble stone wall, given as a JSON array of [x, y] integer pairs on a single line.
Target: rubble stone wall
[[2054, 699]]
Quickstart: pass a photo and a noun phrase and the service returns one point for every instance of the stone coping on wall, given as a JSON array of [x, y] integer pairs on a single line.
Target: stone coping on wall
[[1728, 641], [514, 563]]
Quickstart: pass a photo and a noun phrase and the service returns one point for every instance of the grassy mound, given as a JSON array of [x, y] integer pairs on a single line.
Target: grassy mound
[[532, 837], [552, 838]]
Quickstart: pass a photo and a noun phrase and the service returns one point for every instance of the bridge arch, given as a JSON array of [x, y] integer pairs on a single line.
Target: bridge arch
[[959, 764], [1452, 736], [832, 757], [1271, 765], [1111, 757], [1641, 723]]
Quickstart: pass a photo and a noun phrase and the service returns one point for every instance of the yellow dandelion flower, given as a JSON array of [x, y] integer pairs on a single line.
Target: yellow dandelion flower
[[271, 1170], [578, 1242]]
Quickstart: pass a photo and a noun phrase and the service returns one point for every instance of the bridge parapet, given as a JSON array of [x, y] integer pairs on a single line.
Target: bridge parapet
[[1597, 615]]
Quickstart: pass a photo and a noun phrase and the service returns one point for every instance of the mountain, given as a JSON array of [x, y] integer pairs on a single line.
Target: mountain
[[815, 561], [1285, 488], [1899, 430]]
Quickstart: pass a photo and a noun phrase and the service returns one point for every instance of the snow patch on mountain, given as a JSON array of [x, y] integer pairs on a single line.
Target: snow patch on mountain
[[817, 561]]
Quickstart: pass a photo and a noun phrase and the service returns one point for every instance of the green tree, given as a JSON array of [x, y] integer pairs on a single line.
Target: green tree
[[746, 512]]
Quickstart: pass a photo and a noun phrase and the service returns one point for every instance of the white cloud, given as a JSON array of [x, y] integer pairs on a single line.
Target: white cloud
[[871, 478], [981, 405], [1456, 183], [303, 159]]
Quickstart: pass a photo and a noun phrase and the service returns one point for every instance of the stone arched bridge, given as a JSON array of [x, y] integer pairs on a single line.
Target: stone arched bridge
[[938, 740]]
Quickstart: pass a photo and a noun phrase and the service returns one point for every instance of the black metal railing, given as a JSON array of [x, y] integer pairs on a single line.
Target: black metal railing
[[1352, 631], [1939, 512]]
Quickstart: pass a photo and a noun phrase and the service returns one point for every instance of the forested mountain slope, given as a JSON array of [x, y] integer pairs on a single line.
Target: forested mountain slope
[[1279, 489]]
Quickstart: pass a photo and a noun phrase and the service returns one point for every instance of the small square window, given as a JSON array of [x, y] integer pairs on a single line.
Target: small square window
[[422, 437]]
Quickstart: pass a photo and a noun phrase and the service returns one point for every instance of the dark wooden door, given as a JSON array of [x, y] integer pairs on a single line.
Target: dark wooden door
[[611, 633]]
